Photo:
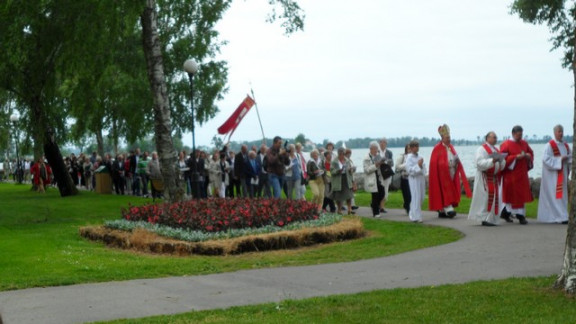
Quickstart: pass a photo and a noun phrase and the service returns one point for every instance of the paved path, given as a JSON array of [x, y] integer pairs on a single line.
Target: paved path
[[509, 250]]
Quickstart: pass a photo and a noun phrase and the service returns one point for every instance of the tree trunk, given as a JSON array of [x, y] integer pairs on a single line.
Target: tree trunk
[[54, 157], [567, 278], [173, 191], [114, 132], [100, 142], [51, 150]]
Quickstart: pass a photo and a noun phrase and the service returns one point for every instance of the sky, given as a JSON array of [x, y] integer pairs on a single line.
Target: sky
[[382, 68]]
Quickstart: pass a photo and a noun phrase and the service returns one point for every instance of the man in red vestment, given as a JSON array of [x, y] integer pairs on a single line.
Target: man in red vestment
[[516, 184], [446, 172]]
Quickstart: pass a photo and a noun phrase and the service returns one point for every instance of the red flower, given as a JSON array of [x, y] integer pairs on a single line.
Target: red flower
[[220, 214]]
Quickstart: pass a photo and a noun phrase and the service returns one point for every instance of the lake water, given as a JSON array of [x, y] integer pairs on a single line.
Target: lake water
[[466, 154]]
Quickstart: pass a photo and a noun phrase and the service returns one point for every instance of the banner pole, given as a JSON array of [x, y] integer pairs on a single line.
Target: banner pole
[[258, 114]]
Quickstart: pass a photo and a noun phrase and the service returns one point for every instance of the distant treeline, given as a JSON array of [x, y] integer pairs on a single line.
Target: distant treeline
[[392, 141]]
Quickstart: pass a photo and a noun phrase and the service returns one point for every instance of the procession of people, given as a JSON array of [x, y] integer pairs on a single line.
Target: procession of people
[[501, 187]]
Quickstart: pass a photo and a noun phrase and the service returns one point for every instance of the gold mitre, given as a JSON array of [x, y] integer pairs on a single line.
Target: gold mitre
[[444, 130]]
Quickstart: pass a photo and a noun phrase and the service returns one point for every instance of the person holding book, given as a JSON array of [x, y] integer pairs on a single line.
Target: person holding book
[[486, 198]]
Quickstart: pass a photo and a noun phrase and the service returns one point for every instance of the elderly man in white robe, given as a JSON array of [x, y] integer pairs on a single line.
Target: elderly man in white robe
[[556, 162], [487, 198]]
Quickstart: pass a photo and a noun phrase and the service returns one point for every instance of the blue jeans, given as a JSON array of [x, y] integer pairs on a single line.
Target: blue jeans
[[276, 182], [136, 185]]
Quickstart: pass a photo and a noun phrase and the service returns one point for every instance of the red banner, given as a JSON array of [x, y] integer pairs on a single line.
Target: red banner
[[233, 121]]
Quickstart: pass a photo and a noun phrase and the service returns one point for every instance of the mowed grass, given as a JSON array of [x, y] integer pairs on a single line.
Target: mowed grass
[[40, 245], [518, 300]]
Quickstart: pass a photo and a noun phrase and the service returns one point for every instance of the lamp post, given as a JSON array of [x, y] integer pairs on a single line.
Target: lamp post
[[191, 68], [18, 171]]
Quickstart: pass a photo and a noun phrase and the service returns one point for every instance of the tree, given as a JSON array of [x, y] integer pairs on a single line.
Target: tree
[[217, 142], [33, 38], [560, 17], [113, 96], [177, 17], [45, 43], [55, 72], [300, 138]]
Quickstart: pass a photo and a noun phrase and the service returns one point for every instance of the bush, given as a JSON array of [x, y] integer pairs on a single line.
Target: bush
[[223, 214]]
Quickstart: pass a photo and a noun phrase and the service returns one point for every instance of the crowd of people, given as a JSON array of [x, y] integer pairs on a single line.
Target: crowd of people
[[270, 171], [501, 186]]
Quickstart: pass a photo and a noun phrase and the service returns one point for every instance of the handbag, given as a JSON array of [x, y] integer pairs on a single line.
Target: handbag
[[386, 171]]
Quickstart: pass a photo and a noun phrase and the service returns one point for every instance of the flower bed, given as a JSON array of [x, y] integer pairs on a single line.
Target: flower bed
[[190, 235], [148, 242], [222, 214], [220, 226]]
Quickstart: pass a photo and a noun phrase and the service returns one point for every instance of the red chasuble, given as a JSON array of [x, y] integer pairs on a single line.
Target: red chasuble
[[443, 190], [516, 185]]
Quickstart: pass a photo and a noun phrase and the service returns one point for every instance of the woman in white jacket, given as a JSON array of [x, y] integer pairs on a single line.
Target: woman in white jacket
[[373, 179], [219, 177]]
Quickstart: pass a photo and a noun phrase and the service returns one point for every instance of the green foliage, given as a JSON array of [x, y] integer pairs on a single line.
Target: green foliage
[[291, 14], [40, 232], [95, 72], [558, 15], [300, 138], [217, 142], [187, 32]]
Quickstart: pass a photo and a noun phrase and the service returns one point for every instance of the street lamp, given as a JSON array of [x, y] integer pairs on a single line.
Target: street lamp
[[19, 172], [191, 68]]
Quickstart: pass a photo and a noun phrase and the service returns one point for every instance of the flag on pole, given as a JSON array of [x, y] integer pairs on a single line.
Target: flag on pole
[[234, 120]]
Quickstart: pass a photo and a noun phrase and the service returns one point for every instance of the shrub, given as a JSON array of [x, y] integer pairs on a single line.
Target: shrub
[[223, 214]]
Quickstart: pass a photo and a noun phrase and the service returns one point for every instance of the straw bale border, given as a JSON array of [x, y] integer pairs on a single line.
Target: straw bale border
[[148, 242]]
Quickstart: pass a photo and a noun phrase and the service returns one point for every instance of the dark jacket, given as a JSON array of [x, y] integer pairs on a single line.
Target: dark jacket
[[250, 171], [276, 161], [198, 166], [312, 167], [240, 166]]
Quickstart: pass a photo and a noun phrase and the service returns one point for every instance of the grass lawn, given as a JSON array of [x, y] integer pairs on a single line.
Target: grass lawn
[[40, 244], [526, 300]]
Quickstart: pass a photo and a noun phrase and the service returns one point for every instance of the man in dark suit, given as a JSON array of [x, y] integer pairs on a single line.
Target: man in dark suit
[[263, 184], [253, 169], [240, 161], [134, 171], [197, 172], [117, 174]]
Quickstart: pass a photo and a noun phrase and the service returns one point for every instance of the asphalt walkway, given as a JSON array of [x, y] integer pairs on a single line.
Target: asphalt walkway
[[509, 250]]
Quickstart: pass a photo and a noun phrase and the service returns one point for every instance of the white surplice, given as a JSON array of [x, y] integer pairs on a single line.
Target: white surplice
[[551, 209], [417, 183], [479, 205]]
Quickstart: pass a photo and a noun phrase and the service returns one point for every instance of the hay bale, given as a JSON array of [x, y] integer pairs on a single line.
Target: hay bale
[[148, 242]]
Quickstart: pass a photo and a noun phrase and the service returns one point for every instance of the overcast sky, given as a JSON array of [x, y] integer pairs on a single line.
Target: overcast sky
[[373, 68]]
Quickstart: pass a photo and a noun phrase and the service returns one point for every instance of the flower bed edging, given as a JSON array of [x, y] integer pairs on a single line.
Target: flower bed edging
[[144, 241]]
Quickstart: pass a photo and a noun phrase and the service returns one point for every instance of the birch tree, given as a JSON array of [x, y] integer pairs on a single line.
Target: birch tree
[[194, 22], [559, 16]]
